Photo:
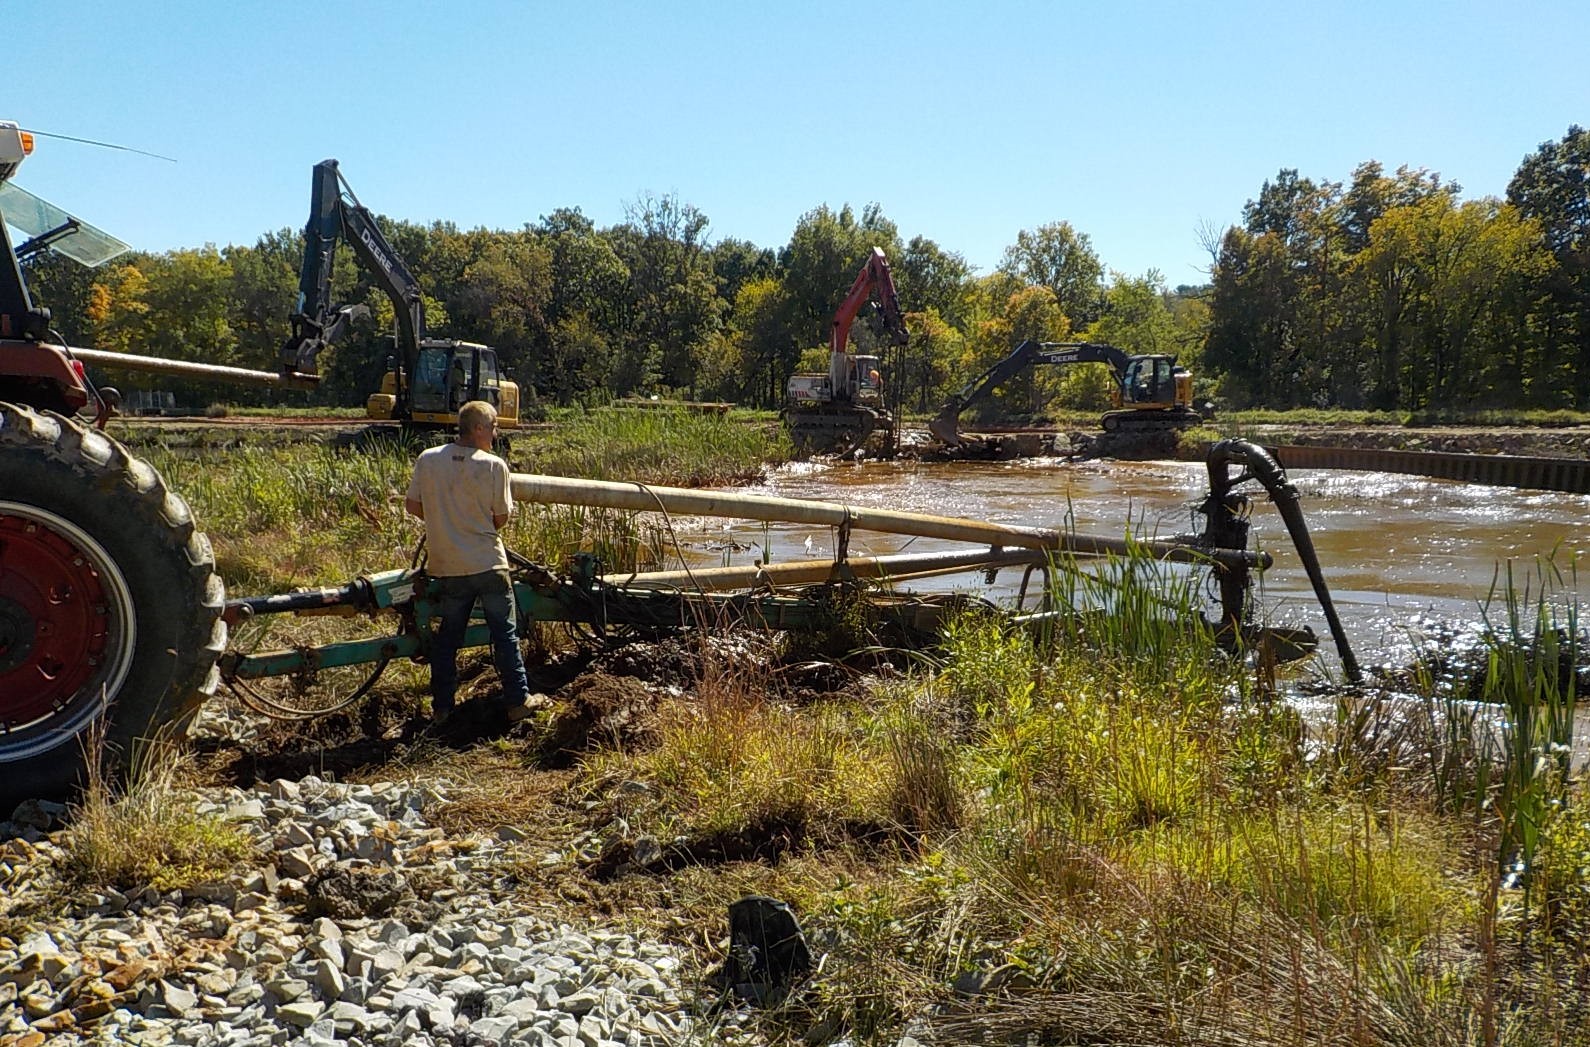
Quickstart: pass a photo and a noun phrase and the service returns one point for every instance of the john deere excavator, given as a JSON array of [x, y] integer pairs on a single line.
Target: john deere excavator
[[428, 379], [837, 411], [1151, 393]]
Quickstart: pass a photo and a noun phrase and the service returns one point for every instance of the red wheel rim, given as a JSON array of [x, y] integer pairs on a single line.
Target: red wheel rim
[[63, 623]]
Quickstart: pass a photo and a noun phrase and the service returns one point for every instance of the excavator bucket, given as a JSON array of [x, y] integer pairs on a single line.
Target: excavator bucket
[[945, 429]]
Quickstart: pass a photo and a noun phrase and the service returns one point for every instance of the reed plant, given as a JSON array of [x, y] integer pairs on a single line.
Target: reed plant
[[310, 514], [675, 447]]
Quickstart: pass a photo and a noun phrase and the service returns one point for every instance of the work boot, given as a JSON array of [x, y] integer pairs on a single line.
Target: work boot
[[516, 711]]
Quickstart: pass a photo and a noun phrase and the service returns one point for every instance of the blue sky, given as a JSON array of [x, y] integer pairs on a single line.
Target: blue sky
[[967, 122]]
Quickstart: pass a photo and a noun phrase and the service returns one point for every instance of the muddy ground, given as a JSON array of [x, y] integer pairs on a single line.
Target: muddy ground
[[587, 699]]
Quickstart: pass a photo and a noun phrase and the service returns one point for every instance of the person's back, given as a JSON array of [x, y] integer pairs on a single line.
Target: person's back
[[463, 493], [462, 489]]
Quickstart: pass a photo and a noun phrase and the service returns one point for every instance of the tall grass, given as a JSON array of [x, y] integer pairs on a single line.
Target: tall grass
[[309, 514], [681, 448], [1113, 816], [1493, 737], [146, 831]]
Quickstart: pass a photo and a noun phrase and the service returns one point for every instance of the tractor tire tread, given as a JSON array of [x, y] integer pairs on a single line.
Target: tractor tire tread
[[147, 521]]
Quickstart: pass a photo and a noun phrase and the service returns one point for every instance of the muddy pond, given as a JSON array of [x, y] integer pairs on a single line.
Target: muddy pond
[[1403, 555]]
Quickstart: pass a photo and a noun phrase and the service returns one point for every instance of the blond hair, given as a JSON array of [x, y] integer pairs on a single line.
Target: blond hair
[[476, 416]]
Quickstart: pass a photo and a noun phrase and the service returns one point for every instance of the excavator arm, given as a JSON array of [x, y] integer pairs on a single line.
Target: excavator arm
[[873, 278], [945, 425], [336, 214]]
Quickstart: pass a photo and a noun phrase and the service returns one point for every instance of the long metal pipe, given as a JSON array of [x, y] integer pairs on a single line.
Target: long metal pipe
[[191, 369], [635, 497], [812, 572]]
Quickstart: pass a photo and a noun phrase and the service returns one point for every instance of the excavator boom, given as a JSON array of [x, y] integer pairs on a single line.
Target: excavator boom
[[335, 214], [838, 411], [429, 377], [1149, 383]]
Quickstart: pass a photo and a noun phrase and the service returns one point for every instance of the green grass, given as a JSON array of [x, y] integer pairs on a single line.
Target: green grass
[[681, 448], [147, 832], [1117, 816], [309, 514]]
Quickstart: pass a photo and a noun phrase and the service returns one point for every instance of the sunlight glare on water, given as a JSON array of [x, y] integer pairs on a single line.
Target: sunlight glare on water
[[1399, 552]]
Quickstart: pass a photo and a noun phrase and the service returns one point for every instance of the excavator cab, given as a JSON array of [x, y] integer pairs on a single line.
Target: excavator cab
[[447, 375], [1154, 381], [867, 380]]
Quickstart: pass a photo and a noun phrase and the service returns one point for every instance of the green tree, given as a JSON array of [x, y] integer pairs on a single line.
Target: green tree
[[62, 286], [673, 289], [1372, 193], [589, 301], [1455, 284], [1136, 317], [1552, 186], [928, 371], [736, 263], [1274, 332], [764, 342], [1058, 257], [930, 277], [501, 296], [825, 253], [117, 310]]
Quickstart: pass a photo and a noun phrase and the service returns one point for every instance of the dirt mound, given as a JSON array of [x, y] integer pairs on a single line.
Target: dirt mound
[[599, 710], [349, 894]]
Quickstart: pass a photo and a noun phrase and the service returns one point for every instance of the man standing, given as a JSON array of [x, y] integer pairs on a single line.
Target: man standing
[[461, 491]]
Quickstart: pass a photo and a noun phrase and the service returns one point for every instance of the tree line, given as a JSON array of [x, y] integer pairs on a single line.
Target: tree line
[[1386, 290]]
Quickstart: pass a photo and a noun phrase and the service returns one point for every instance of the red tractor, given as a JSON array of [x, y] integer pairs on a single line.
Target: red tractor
[[110, 607]]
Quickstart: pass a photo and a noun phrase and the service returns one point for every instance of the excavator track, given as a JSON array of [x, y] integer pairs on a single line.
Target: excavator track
[[836, 431], [1144, 421]]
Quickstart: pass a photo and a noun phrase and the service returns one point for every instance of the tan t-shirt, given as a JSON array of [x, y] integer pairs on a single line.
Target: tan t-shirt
[[461, 489]]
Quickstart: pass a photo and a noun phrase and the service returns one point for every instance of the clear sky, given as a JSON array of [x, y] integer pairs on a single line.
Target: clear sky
[[1138, 123]]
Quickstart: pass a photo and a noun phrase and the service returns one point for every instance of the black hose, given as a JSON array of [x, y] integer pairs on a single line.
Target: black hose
[[1263, 467]]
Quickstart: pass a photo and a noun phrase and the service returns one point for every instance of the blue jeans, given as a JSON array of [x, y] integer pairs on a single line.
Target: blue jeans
[[456, 599]]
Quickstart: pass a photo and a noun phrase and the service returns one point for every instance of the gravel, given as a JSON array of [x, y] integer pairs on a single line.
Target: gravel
[[328, 943]]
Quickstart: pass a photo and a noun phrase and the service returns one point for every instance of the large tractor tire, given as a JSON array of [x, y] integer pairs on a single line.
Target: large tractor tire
[[110, 607]]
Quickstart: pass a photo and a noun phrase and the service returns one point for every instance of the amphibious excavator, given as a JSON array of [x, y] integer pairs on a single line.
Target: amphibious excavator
[[835, 412], [1151, 393]]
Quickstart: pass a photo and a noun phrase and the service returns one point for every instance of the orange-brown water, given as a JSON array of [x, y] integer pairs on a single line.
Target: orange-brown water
[[1400, 553]]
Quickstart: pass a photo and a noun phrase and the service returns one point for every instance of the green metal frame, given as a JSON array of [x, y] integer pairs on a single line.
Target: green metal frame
[[542, 597]]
